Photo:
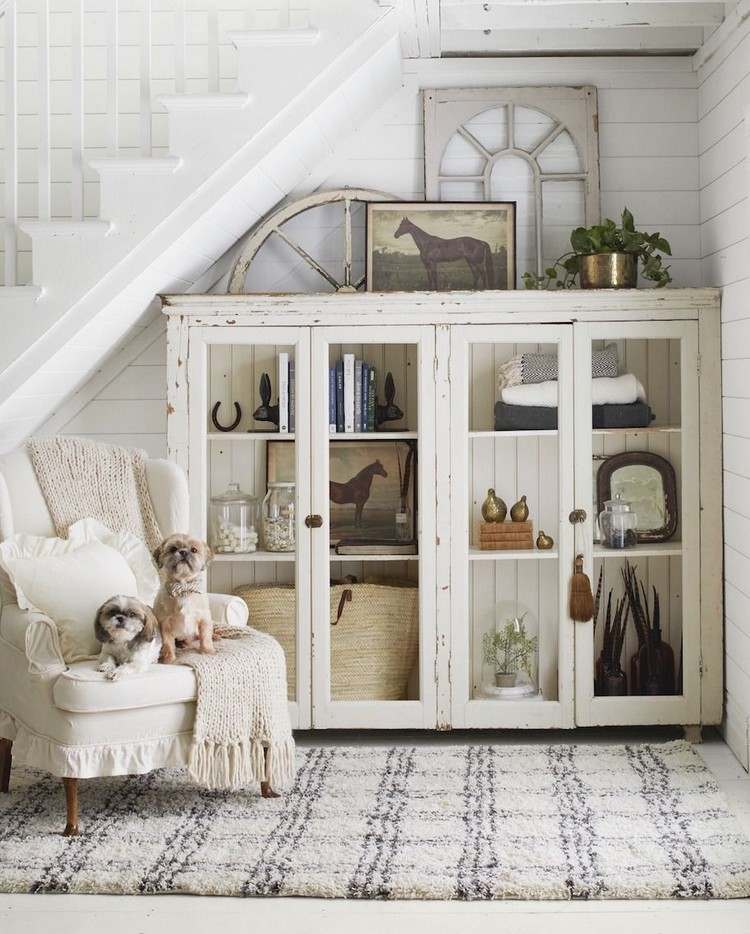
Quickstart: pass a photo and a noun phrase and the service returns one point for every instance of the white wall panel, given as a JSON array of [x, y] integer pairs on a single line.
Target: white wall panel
[[723, 93]]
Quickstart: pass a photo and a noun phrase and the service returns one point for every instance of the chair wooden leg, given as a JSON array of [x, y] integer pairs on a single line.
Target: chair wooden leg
[[265, 787], [71, 802], [6, 758]]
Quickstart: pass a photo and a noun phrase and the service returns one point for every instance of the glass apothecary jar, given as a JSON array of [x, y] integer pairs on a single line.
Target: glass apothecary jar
[[279, 520], [617, 524], [233, 521]]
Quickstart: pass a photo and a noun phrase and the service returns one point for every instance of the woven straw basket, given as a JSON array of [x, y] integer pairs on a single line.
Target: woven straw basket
[[374, 635]]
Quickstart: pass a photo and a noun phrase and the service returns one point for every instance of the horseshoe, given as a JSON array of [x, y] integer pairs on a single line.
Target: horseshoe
[[215, 417]]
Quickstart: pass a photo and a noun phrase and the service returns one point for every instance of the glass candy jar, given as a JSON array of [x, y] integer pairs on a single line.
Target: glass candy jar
[[233, 521], [617, 524], [279, 517]]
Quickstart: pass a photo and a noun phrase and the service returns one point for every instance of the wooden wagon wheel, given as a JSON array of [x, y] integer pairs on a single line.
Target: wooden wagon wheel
[[272, 225]]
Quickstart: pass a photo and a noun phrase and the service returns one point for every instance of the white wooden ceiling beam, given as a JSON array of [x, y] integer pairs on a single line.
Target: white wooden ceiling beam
[[419, 23], [467, 4], [582, 41], [603, 15]]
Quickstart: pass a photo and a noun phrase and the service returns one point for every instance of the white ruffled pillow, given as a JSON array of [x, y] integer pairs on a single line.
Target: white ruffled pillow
[[68, 579]]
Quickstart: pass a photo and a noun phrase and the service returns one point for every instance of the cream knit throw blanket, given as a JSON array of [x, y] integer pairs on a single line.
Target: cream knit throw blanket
[[83, 479], [242, 734]]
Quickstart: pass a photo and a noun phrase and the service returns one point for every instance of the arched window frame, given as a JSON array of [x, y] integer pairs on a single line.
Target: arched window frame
[[446, 111]]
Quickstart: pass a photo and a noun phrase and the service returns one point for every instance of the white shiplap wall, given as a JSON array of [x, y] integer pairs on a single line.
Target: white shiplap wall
[[723, 100], [649, 161]]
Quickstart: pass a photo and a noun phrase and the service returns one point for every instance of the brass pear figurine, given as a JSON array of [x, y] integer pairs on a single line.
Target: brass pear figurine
[[493, 508], [544, 542], [520, 511]]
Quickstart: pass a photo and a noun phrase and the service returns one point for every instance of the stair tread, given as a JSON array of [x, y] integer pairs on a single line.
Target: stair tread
[[217, 101], [19, 292], [146, 165], [92, 227], [274, 37]]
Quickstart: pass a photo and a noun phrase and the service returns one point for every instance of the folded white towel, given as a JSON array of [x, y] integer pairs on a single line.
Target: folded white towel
[[605, 390]]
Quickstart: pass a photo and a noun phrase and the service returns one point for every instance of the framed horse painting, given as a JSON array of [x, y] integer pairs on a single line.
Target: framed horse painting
[[371, 484], [441, 246]]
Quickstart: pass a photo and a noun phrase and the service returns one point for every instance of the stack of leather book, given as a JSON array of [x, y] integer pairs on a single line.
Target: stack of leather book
[[506, 536]]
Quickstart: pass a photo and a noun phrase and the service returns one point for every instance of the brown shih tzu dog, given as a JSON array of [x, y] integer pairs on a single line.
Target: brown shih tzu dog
[[129, 634], [180, 606]]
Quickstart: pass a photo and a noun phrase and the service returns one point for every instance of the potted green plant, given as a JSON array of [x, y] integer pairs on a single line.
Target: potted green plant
[[510, 650], [606, 256]]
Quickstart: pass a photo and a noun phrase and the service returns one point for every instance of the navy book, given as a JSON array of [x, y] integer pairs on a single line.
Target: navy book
[[340, 396]]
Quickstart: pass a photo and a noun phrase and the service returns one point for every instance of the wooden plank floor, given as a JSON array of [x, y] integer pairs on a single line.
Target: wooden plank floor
[[92, 914]]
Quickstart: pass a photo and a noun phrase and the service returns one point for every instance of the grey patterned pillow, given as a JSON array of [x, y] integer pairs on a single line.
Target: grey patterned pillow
[[540, 367]]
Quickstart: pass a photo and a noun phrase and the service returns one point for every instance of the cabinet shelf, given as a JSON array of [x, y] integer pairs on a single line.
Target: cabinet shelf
[[256, 556], [541, 433], [527, 554], [651, 430], [645, 550], [372, 435], [234, 436], [350, 558]]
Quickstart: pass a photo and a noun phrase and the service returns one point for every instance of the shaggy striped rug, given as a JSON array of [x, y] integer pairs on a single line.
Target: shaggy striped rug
[[468, 822]]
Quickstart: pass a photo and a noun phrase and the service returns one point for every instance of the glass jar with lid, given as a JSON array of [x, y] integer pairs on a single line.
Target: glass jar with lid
[[233, 521], [279, 517], [617, 524]]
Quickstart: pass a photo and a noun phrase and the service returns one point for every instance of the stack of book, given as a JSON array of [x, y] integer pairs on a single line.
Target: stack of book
[[287, 393], [506, 536], [351, 396]]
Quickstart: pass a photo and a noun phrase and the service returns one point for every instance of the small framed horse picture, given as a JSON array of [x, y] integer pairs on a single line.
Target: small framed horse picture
[[370, 483], [441, 246]]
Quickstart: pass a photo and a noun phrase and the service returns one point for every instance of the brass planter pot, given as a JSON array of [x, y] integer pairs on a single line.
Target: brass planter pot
[[609, 271]]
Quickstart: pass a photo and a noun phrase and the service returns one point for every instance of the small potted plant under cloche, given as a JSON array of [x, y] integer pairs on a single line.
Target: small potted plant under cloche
[[606, 256], [510, 650]]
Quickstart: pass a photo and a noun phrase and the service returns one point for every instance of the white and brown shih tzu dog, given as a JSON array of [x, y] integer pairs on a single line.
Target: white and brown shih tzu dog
[[129, 634], [181, 607]]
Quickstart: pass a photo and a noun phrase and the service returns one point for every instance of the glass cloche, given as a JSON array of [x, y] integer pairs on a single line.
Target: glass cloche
[[279, 522], [618, 523], [510, 652], [233, 521]]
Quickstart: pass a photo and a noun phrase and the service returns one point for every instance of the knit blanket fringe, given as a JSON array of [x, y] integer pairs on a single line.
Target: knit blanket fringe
[[242, 734], [231, 766]]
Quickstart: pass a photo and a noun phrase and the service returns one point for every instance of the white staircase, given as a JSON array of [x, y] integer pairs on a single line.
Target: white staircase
[[166, 218]]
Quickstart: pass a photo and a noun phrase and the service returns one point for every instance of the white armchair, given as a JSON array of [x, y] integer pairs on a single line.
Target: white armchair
[[68, 720]]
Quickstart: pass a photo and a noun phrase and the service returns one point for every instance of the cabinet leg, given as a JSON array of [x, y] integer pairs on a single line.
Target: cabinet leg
[[71, 803], [694, 733], [6, 758]]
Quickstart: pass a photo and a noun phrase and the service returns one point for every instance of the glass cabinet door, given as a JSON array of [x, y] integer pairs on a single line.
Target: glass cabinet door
[[250, 485], [373, 535], [637, 480], [511, 543]]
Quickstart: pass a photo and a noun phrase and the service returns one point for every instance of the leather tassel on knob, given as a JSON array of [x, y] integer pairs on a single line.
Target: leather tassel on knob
[[581, 597]]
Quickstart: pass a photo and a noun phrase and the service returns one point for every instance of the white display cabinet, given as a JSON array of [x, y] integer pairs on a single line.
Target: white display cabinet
[[444, 351]]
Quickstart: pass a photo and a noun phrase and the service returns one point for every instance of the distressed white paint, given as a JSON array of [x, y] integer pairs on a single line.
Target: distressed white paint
[[461, 340]]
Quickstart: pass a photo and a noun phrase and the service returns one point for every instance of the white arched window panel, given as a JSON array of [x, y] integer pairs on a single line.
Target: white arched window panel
[[519, 144], [513, 180]]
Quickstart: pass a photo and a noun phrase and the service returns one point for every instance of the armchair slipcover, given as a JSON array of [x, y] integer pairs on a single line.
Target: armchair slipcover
[[68, 720]]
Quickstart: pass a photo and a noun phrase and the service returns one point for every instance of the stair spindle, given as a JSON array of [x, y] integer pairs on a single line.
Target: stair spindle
[[11, 145]]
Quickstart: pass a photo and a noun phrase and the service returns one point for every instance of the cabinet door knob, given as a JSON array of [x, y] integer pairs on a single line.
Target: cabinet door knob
[[577, 515], [314, 521]]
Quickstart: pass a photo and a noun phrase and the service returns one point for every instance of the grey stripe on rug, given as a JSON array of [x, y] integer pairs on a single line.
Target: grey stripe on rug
[[452, 822]]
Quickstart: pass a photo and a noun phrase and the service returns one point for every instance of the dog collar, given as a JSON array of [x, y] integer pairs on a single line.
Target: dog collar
[[183, 588]]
